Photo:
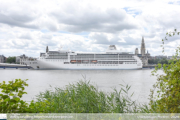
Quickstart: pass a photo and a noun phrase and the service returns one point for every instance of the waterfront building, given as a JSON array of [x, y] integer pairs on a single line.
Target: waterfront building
[[18, 59], [143, 55], [161, 57], [2, 59], [22, 58], [171, 57], [136, 51]]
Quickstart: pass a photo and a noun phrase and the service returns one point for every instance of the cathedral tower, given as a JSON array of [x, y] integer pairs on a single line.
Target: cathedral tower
[[143, 49], [47, 49]]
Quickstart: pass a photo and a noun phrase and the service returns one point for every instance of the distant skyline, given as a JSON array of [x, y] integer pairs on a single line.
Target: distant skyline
[[27, 27]]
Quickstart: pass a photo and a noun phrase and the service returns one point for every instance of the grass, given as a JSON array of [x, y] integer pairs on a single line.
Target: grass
[[83, 97]]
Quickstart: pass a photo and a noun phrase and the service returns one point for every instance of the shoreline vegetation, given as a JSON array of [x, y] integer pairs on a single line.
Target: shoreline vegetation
[[81, 97]]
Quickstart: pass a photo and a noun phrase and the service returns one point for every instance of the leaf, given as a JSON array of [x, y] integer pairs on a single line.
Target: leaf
[[17, 99], [7, 99], [11, 94], [5, 96], [132, 94]]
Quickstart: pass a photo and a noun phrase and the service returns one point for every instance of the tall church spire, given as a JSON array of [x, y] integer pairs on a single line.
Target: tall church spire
[[142, 39], [143, 49], [47, 49]]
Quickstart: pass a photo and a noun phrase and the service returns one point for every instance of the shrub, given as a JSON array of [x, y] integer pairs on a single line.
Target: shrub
[[10, 97], [83, 97], [167, 99]]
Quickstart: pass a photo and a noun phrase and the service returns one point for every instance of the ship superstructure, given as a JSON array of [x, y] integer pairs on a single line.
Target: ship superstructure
[[62, 59]]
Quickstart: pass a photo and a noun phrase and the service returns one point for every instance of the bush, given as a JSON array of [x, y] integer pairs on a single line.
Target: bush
[[81, 97], [10, 99], [167, 99]]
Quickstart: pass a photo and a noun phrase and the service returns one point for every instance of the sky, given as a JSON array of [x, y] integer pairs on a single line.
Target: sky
[[28, 26]]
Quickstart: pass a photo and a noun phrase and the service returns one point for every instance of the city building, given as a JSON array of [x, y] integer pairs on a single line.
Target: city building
[[18, 59], [2, 59], [160, 57], [136, 51], [171, 57], [143, 55], [22, 58]]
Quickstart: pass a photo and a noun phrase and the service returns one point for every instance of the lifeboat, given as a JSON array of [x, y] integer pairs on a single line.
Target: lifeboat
[[94, 61], [73, 61]]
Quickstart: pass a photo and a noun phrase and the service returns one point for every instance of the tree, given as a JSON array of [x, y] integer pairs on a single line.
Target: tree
[[167, 98], [11, 60], [156, 61], [163, 61]]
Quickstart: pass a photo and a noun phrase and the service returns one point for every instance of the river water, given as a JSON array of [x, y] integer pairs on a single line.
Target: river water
[[141, 81]]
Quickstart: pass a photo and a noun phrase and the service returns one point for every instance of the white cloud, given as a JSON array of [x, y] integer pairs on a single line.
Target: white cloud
[[86, 26]]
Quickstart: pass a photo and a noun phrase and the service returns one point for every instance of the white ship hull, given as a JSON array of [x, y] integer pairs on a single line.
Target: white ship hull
[[55, 64], [112, 59]]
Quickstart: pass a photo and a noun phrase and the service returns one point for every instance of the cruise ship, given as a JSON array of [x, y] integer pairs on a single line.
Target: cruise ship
[[65, 59]]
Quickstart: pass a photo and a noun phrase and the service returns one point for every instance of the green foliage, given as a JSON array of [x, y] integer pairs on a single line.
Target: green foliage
[[11, 60], [156, 61], [163, 61], [80, 98], [83, 97], [10, 97], [167, 97], [121, 102], [153, 61]]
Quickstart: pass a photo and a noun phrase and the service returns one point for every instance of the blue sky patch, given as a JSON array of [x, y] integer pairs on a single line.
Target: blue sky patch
[[132, 11], [44, 31], [64, 32], [170, 2], [84, 34], [145, 29]]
